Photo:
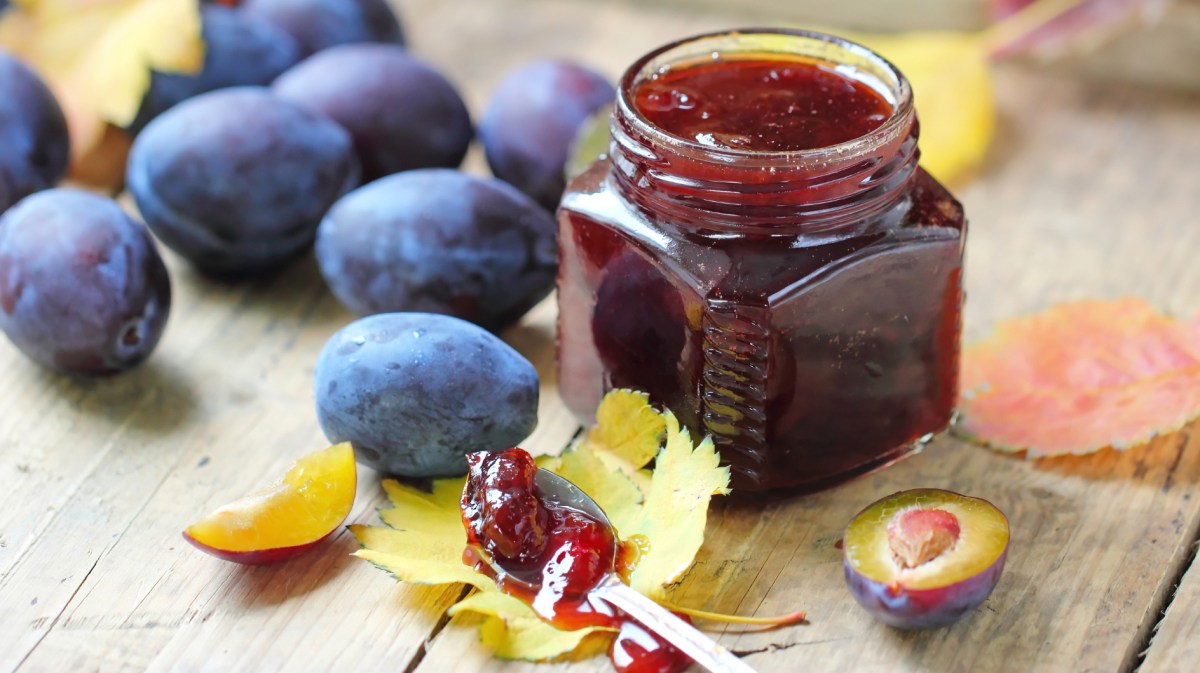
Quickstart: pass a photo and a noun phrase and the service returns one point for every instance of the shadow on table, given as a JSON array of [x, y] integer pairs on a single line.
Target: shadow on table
[[153, 398], [1171, 458], [278, 583]]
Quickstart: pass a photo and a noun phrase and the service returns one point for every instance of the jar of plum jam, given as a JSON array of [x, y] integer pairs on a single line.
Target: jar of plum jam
[[761, 253]]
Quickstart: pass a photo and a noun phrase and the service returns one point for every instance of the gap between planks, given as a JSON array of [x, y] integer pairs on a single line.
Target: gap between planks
[[1142, 645]]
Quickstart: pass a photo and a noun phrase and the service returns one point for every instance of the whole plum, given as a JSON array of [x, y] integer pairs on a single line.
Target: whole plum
[[415, 392], [440, 241], [531, 121], [320, 24], [82, 287], [240, 49], [237, 180], [401, 113], [34, 147]]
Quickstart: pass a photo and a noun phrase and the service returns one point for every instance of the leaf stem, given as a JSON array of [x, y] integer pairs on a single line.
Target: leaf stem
[[781, 620], [1002, 34]]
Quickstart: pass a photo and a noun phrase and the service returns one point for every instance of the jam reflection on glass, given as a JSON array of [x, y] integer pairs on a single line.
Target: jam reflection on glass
[[798, 302], [551, 556]]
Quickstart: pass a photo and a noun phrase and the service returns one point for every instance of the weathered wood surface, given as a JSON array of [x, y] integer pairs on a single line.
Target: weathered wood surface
[[1091, 191]]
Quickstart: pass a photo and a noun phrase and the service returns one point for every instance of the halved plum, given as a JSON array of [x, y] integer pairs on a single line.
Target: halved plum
[[285, 520], [924, 558]]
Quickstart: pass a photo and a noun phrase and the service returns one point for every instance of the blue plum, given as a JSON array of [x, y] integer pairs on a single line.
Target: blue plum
[[440, 241], [82, 287], [237, 180], [531, 121], [34, 147], [401, 113], [415, 392], [241, 49], [320, 24]]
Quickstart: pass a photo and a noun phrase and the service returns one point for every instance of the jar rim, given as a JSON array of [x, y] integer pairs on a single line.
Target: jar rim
[[895, 125]]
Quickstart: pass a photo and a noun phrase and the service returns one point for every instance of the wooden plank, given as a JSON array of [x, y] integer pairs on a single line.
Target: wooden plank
[[1077, 201], [1176, 648], [1091, 193], [1073, 597]]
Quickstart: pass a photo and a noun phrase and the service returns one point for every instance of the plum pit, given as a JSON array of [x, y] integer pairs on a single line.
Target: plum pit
[[918, 536]]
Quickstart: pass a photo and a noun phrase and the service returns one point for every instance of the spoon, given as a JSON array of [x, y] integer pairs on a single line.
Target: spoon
[[556, 490]]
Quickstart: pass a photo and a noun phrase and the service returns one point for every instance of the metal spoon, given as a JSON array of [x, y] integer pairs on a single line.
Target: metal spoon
[[612, 590]]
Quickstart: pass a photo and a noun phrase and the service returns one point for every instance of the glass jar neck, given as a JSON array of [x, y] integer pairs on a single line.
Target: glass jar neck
[[803, 191]]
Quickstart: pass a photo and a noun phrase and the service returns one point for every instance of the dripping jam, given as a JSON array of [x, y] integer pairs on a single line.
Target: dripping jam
[[551, 556]]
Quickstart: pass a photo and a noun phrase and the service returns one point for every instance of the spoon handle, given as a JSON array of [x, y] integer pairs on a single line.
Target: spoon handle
[[702, 649]]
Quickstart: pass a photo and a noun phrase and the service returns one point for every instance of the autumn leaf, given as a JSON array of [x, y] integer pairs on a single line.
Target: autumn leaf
[[952, 91], [512, 631], [96, 55], [667, 507], [1081, 377], [627, 434]]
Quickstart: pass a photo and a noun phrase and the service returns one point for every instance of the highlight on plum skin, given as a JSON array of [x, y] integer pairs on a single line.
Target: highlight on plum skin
[[415, 392], [83, 289], [401, 113], [440, 241], [925, 558], [532, 120], [237, 180]]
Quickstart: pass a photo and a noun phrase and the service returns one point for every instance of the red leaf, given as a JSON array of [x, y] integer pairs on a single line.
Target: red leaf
[[1081, 377]]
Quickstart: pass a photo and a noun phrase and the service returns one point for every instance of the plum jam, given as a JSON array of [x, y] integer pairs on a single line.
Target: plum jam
[[552, 556], [761, 253]]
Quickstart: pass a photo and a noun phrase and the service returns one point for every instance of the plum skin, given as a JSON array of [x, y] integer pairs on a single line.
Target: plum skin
[[241, 49], [34, 146], [415, 392], [531, 121], [923, 608], [237, 180], [401, 113], [83, 289], [440, 241], [321, 24], [259, 556]]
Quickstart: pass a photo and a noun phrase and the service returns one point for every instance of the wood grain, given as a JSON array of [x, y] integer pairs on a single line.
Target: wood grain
[[1175, 648], [1090, 192]]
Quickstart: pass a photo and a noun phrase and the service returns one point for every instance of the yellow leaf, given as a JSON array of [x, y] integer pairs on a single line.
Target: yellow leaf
[[676, 509], [627, 427], [426, 539], [952, 89], [419, 558], [436, 511], [97, 54], [514, 632]]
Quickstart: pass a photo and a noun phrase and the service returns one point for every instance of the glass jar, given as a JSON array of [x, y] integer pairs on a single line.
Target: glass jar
[[801, 306]]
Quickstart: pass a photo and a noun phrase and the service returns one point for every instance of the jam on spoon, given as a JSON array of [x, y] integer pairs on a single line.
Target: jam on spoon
[[548, 544]]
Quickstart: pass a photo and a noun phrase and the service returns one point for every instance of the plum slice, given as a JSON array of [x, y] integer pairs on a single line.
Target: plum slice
[[925, 558], [285, 520]]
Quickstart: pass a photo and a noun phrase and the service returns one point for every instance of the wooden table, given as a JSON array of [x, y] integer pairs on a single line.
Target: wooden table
[[1091, 191]]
